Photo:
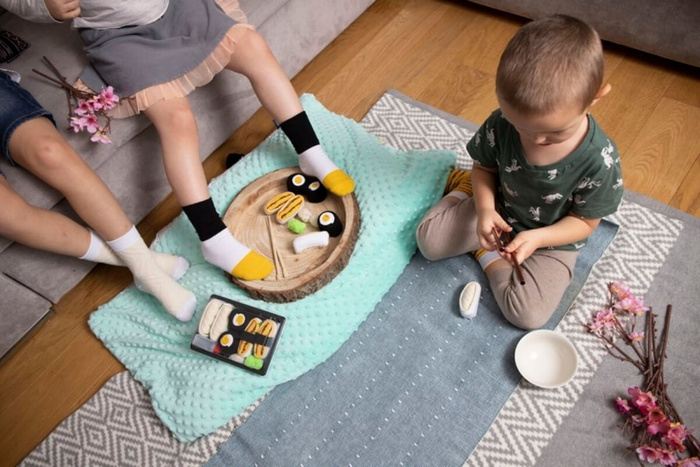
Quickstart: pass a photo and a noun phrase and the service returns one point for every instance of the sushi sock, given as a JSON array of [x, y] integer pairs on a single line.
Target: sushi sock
[[99, 252], [313, 160], [220, 248], [485, 257], [132, 250], [459, 183]]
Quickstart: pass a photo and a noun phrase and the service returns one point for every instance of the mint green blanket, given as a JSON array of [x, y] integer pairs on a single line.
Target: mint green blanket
[[193, 394]]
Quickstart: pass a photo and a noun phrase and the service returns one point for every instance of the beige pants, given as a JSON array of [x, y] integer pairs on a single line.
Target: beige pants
[[449, 229]]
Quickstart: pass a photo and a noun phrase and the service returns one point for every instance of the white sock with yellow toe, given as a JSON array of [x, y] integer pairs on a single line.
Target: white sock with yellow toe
[[220, 248], [313, 160], [134, 253]]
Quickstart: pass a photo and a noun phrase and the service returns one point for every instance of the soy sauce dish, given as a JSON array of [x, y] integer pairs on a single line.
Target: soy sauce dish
[[546, 358]]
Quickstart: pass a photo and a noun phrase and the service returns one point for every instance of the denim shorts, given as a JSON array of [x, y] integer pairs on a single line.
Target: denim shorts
[[17, 106]]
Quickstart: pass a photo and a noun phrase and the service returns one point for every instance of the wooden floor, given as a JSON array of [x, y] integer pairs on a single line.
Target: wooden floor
[[439, 52]]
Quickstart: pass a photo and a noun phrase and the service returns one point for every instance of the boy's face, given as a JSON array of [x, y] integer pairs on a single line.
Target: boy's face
[[556, 127]]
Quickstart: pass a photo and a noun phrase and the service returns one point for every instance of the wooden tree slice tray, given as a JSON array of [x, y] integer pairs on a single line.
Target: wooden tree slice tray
[[295, 275]]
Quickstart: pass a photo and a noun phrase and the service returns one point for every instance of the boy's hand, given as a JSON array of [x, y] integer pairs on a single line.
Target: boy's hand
[[521, 247], [487, 221], [62, 10]]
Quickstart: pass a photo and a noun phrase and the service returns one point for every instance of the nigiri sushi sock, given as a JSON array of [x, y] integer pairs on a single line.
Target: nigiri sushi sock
[[313, 160], [485, 257], [219, 246], [173, 265], [132, 250]]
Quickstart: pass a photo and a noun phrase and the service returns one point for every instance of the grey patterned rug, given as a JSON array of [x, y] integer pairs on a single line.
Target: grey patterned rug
[[654, 252]]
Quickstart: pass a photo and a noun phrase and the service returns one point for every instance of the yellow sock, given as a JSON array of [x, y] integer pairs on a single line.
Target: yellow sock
[[459, 180], [252, 267], [339, 183], [224, 251]]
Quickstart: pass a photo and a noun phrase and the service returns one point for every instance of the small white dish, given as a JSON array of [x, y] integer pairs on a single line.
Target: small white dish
[[546, 358], [469, 300]]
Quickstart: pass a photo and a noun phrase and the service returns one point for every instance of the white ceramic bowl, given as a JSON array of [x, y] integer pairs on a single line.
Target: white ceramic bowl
[[546, 358]]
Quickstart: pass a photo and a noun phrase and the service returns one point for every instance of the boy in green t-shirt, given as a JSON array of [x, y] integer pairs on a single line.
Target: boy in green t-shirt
[[544, 172]]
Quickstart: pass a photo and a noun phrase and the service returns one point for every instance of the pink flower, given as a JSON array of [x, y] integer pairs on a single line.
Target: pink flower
[[100, 136], [619, 290], [648, 453], [657, 421], [689, 462], [667, 457], [78, 124], [632, 305], [605, 318], [636, 336], [675, 436], [108, 98], [622, 406], [91, 123], [84, 107], [643, 401]]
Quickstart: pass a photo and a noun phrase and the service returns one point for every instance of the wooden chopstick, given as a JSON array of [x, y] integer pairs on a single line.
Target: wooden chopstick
[[502, 247]]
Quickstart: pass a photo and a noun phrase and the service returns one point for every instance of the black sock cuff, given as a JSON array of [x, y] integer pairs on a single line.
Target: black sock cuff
[[300, 132], [204, 218]]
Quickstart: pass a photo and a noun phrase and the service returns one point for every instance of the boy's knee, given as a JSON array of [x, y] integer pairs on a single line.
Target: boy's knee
[[525, 320]]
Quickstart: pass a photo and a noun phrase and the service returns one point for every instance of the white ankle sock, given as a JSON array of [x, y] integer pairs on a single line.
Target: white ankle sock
[[134, 253], [99, 252], [314, 161]]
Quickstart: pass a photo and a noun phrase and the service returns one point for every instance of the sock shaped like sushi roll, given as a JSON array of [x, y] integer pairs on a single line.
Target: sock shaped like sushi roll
[[245, 348], [315, 191], [310, 240], [328, 221], [220, 324], [268, 328], [277, 202], [226, 346], [290, 209], [296, 183], [209, 315]]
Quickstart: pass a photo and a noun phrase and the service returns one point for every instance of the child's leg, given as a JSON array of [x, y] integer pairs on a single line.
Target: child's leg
[[448, 229], [39, 148], [253, 59], [177, 128], [38, 228], [547, 275]]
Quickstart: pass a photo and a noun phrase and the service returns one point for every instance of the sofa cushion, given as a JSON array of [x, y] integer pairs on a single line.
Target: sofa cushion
[[25, 310], [669, 29]]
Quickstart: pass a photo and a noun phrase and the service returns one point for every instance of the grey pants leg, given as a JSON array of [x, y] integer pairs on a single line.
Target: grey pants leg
[[449, 229]]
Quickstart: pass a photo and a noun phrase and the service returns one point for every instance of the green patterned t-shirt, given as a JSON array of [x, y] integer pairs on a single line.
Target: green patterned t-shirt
[[586, 183]]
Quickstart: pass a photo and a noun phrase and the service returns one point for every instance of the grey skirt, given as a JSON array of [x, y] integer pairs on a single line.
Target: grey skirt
[[134, 58]]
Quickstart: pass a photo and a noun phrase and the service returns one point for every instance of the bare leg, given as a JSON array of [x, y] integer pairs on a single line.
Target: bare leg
[[38, 147], [38, 228], [177, 128], [253, 59]]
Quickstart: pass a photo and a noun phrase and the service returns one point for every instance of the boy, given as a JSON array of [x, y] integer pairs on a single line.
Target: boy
[[544, 172]]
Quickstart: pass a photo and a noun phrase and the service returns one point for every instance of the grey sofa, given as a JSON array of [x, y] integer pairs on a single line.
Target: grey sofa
[[669, 29], [31, 281]]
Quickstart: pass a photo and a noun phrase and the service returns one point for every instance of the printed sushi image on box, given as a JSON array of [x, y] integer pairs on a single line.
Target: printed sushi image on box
[[238, 334]]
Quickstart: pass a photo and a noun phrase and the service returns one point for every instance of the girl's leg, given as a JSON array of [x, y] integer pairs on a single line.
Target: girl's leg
[[254, 59], [39, 148], [179, 138]]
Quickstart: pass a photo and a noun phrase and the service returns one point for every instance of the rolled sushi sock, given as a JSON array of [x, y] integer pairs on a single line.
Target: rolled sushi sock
[[132, 250], [220, 248], [313, 160], [99, 252]]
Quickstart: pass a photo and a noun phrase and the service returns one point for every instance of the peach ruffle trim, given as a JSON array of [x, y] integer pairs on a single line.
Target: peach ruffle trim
[[199, 76]]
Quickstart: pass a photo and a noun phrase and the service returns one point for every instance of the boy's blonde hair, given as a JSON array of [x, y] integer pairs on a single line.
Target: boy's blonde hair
[[550, 63]]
